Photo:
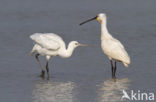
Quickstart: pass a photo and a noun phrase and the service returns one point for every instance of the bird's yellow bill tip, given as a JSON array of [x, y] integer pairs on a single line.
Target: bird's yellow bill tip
[[99, 19]]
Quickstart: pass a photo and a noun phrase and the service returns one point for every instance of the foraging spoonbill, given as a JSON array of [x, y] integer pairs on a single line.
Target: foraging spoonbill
[[50, 44], [111, 46]]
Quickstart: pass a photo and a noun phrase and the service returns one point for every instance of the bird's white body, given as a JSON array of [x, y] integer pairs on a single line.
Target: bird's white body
[[111, 46], [50, 44]]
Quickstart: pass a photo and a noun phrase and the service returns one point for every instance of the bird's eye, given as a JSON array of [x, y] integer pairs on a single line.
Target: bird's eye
[[76, 43]]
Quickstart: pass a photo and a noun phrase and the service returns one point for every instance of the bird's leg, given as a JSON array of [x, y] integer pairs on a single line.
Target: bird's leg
[[112, 68], [43, 72], [47, 68]]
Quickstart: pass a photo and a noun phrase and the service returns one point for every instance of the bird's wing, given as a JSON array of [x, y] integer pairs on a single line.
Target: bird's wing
[[49, 41], [118, 42], [116, 51]]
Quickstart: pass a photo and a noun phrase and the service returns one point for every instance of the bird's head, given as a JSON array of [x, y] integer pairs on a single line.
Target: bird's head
[[100, 17], [75, 44]]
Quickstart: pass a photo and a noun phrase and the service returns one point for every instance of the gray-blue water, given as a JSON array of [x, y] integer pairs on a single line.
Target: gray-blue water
[[86, 76]]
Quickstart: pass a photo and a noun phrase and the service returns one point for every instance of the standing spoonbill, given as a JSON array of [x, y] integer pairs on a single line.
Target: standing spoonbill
[[50, 44], [111, 46]]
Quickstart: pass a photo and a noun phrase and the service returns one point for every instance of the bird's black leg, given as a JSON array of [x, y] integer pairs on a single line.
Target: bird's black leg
[[112, 68], [43, 72], [47, 68]]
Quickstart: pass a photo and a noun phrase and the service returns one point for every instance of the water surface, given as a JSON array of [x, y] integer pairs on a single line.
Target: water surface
[[84, 77]]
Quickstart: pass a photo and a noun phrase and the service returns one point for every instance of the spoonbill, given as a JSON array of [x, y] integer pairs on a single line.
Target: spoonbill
[[111, 46], [50, 44]]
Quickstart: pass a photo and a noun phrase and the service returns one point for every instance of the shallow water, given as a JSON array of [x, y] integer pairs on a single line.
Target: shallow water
[[84, 77]]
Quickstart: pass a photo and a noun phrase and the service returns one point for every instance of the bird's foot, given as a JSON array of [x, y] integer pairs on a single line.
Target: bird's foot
[[114, 78], [42, 74], [48, 76]]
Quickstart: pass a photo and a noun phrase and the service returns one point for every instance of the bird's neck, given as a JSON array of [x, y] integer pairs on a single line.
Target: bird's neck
[[104, 31], [67, 52]]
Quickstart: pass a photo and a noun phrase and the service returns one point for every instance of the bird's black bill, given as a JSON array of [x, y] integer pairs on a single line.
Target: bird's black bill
[[88, 20]]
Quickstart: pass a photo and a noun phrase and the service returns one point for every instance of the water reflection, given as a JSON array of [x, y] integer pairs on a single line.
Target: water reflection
[[111, 91], [53, 92]]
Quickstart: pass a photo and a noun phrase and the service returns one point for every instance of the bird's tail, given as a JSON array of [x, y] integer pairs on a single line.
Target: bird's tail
[[34, 36], [126, 65], [32, 52], [127, 61]]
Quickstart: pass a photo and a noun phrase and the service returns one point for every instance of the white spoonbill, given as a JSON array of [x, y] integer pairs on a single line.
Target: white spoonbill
[[50, 44], [111, 46]]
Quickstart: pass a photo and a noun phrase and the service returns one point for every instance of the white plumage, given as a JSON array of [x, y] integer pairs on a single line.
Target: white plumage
[[50, 44], [49, 41], [115, 51], [111, 46]]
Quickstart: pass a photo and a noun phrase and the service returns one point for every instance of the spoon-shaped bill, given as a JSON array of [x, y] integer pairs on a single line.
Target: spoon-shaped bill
[[88, 20]]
